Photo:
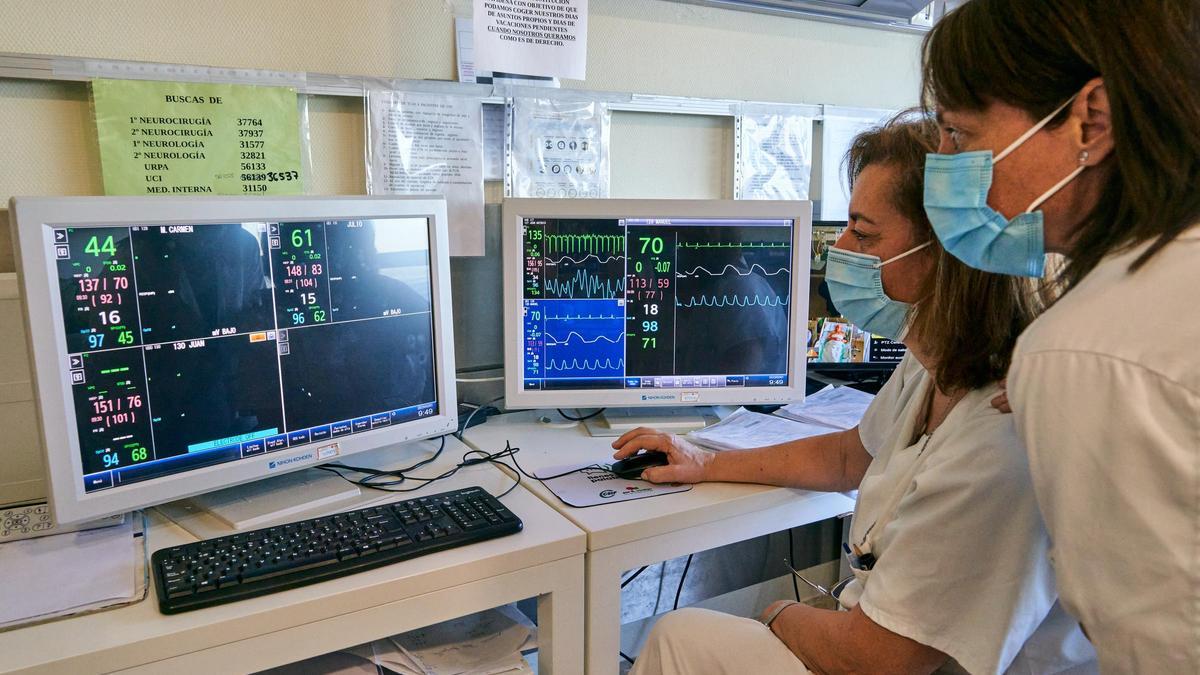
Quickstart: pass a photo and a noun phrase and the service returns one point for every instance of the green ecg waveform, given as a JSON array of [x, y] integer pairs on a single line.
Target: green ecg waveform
[[585, 243]]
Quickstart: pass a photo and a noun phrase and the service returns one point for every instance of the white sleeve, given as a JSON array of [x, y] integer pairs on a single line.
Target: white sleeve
[[965, 567], [881, 416], [1115, 454]]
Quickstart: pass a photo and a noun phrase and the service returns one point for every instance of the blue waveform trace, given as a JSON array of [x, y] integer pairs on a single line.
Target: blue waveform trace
[[733, 301], [587, 285]]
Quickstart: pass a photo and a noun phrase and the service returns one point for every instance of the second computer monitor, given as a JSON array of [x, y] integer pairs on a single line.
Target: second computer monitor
[[645, 303]]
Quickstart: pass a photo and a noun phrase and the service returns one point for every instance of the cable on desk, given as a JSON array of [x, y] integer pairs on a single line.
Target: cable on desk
[[579, 419], [401, 476], [372, 477], [683, 576], [792, 555], [625, 656], [628, 580], [470, 417]]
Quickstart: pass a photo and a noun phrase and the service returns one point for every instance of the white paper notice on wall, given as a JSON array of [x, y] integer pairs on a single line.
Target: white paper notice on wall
[[493, 141], [532, 37], [428, 144], [839, 126], [560, 149], [775, 153]]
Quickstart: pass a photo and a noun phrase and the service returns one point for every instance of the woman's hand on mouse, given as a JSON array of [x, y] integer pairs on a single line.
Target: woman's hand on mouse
[[688, 462]]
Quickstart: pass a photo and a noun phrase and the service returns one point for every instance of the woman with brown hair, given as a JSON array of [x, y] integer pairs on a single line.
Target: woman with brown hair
[[1093, 109], [950, 555]]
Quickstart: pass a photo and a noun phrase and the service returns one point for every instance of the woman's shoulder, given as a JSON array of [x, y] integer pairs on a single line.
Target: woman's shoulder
[[982, 441]]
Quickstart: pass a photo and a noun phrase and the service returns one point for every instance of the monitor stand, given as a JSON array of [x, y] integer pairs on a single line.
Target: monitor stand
[[262, 503], [679, 420]]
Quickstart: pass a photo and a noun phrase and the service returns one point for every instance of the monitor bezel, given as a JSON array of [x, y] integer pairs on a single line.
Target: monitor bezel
[[516, 210], [34, 220]]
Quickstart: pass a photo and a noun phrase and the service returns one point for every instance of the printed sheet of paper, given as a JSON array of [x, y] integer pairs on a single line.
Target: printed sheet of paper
[[744, 429], [776, 156], [596, 485], [838, 130], [464, 43], [532, 37], [429, 144], [493, 141], [834, 407], [53, 575], [560, 149], [182, 138]]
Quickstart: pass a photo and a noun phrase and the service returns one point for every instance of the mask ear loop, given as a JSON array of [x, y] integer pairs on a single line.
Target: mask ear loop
[[1052, 191], [1036, 128], [902, 255]]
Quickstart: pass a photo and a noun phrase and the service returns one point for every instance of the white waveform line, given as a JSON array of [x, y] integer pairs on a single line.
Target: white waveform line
[[584, 259], [575, 364], [581, 339], [733, 300], [748, 272]]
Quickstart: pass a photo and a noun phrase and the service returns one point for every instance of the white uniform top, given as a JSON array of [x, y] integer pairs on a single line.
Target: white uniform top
[[1105, 388], [962, 563]]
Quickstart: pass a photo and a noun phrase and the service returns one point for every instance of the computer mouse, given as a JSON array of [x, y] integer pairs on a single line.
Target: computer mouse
[[631, 467]]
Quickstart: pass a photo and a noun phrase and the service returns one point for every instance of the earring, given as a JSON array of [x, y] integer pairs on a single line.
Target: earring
[[1083, 157]]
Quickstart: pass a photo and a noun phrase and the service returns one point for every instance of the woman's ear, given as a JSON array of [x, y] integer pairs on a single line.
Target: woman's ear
[[1092, 109]]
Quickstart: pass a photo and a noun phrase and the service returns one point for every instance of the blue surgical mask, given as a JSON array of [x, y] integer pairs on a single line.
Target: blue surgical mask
[[856, 286], [956, 191]]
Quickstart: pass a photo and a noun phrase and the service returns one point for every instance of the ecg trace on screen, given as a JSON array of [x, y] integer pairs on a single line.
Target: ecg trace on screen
[[615, 302]]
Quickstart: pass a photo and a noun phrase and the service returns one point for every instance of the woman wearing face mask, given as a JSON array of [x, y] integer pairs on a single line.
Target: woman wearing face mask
[[950, 554], [1093, 112]]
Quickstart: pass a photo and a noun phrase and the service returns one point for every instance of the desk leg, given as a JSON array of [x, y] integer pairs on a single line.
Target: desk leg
[[603, 626], [560, 621]]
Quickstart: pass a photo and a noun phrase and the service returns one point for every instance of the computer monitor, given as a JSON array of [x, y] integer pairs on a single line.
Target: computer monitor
[[183, 345], [629, 303]]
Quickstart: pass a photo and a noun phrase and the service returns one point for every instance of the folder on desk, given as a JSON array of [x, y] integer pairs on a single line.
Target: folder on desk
[[75, 573]]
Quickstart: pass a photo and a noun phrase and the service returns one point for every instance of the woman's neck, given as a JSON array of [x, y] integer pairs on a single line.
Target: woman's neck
[[940, 402]]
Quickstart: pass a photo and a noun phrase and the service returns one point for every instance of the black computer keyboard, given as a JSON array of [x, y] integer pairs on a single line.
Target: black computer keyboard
[[239, 566]]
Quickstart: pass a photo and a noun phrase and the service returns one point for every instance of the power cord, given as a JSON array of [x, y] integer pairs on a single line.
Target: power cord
[[628, 580], [373, 477], [401, 476], [792, 555], [463, 429], [579, 419], [683, 576]]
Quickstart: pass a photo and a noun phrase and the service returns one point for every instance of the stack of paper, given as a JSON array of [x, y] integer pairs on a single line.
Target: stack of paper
[[486, 643], [744, 429], [72, 573], [834, 407]]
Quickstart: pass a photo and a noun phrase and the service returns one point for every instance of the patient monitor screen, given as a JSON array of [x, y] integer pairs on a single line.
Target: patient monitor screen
[[655, 303], [196, 344]]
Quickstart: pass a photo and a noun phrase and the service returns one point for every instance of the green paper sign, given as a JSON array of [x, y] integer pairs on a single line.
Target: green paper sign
[[179, 138]]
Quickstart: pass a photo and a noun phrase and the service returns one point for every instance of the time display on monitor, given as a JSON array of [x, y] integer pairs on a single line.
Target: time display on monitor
[[196, 344], [655, 303]]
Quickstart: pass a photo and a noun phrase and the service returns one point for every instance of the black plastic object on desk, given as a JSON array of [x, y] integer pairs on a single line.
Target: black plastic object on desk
[[245, 565]]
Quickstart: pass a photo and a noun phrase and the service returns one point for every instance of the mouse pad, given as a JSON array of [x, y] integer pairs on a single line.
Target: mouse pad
[[593, 485]]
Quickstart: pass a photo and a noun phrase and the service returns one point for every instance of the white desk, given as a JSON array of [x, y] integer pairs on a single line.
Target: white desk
[[545, 560], [630, 534]]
